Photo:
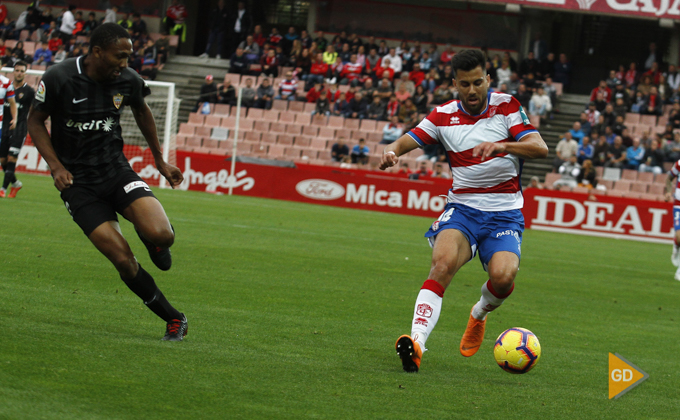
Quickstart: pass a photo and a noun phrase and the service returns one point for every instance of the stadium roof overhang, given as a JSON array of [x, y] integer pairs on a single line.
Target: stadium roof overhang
[[645, 9]]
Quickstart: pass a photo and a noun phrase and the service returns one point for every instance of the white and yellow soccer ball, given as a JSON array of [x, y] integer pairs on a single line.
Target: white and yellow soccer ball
[[517, 350]]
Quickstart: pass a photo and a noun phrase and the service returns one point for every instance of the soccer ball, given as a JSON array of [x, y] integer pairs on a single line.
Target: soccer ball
[[517, 350]]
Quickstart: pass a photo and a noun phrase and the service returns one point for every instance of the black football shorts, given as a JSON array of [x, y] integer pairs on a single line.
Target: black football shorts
[[92, 205], [10, 145]]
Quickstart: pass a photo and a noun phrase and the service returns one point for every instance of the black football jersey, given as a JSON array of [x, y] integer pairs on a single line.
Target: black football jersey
[[86, 132], [23, 95]]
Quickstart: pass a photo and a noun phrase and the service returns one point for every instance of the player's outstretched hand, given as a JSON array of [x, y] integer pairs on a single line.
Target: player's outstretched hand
[[171, 173], [62, 178], [488, 149], [388, 160]]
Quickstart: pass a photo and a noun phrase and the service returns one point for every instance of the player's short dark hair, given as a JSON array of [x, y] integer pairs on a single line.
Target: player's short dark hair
[[21, 63], [107, 34], [468, 60]]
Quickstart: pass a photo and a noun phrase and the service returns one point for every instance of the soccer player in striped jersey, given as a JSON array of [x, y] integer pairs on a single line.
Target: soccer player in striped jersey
[[673, 194], [8, 151], [486, 136]]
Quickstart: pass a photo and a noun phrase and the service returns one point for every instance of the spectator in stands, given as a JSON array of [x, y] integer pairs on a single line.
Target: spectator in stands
[[274, 38], [611, 81], [664, 90], [639, 103], [238, 63], [576, 132], [586, 127], [125, 22], [653, 159], [547, 67], [288, 88], [43, 55], [219, 25], [270, 64], [382, 49], [523, 95], [563, 71], [667, 134], [68, 24], [110, 14], [360, 153], [422, 172], [208, 93], [392, 107], [528, 65], [585, 150], [305, 39], [90, 24], [358, 107], [420, 99], [439, 172], [250, 48], [289, 38], [604, 90], [609, 115], [346, 53], [569, 170], [426, 63], [672, 149], [674, 116], [566, 148], [587, 175], [618, 126], [631, 76], [616, 156], [264, 95], [138, 26], [620, 107], [226, 93], [408, 112], [323, 104], [393, 61], [54, 43], [376, 109], [620, 92], [162, 45], [339, 150], [248, 94], [416, 76], [318, 71], [447, 54], [258, 36], [409, 86], [321, 41], [673, 77], [431, 80], [634, 155], [513, 83], [535, 183], [503, 73], [600, 102], [442, 94], [60, 55], [314, 93], [384, 90], [351, 72], [373, 62], [653, 73], [645, 85], [600, 152], [341, 106], [402, 92], [392, 131], [240, 26], [653, 103], [330, 56]]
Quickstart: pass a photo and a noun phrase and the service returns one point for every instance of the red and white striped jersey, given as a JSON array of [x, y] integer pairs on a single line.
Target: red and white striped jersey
[[675, 170], [6, 92], [491, 185], [288, 87]]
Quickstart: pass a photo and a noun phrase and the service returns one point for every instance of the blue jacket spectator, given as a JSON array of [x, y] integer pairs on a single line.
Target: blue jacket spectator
[[576, 132], [392, 131], [43, 55], [360, 152], [585, 150], [635, 154]]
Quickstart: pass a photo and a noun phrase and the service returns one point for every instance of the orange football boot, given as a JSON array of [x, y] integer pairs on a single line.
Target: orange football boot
[[410, 353], [473, 336]]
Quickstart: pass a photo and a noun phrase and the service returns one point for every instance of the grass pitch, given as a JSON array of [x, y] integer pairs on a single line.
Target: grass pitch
[[293, 312]]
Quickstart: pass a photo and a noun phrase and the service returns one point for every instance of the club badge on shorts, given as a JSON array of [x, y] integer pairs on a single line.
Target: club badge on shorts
[[117, 100]]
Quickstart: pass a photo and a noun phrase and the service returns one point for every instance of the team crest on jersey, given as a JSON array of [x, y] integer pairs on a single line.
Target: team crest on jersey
[[454, 120], [492, 111], [117, 100], [20, 95]]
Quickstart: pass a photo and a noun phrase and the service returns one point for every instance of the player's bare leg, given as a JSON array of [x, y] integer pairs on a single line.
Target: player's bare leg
[[154, 229], [451, 251], [502, 270], [108, 239], [675, 257]]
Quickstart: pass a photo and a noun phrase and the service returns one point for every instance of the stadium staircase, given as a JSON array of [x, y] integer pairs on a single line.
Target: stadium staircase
[[570, 107]]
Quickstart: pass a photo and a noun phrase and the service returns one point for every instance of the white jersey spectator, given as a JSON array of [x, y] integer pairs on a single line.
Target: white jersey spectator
[[395, 61]]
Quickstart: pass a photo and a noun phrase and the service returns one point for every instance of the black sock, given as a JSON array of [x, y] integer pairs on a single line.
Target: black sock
[[9, 174], [144, 287]]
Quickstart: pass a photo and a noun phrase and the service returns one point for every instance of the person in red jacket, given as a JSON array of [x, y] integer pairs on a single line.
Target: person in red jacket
[[416, 75], [380, 71], [258, 36], [351, 72], [270, 63], [604, 89], [318, 71]]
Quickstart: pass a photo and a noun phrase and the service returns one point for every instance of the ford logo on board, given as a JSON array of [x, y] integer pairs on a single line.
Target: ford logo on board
[[320, 189]]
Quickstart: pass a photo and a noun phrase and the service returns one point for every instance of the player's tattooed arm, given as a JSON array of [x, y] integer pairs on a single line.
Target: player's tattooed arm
[[42, 141], [147, 125], [390, 156]]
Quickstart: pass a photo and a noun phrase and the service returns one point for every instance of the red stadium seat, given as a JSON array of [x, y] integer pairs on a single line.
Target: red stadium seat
[[629, 174], [253, 136], [222, 110], [212, 121], [302, 118], [296, 106], [303, 141], [196, 119], [351, 123], [278, 127], [309, 130], [280, 105], [271, 115], [639, 187], [203, 131], [285, 139], [326, 132], [262, 126], [256, 113], [550, 178], [269, 137], [185, 128], [368, 125], [294, 129], [622, 185], [320, 120], [337, 122], [287, 117]]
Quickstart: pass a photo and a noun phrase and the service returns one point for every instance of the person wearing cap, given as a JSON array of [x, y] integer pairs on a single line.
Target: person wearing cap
[[208, 92]]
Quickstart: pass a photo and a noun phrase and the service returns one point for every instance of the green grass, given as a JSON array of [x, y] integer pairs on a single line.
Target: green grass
[[294, 310]]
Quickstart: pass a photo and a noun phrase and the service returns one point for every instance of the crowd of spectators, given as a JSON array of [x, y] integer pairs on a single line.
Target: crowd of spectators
[[66, 35]]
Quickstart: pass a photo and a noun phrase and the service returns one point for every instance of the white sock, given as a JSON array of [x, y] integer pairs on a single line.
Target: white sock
[[426, 312], [489, 301]]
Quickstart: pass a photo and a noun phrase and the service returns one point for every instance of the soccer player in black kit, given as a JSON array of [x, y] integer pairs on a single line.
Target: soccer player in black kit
[[13, 140], [85, 96]]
